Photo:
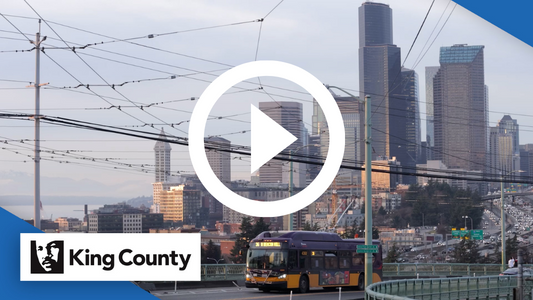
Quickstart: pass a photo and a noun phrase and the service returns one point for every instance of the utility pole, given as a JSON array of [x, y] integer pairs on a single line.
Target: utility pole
[[37, 116], [502, 220], [368, 182], [291, 223], [368, 189]]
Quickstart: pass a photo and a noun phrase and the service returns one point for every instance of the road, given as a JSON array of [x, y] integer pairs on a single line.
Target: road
[[244, 293]]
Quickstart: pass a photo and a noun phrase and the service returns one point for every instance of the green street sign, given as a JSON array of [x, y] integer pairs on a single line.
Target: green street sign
[[455, 234], [367, 250], [367, 247], [477, 234]]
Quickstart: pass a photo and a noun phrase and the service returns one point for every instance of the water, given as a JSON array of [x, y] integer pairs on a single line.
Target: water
[[50, 211]]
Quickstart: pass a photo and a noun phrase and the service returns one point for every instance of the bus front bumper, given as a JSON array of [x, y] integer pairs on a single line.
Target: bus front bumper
[[271, 285]]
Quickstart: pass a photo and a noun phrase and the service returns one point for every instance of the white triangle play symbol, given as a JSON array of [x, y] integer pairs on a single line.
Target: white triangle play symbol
[[268, 138]]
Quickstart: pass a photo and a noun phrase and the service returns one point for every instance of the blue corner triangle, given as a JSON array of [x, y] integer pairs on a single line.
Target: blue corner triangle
[[12, 288], [514, 17]]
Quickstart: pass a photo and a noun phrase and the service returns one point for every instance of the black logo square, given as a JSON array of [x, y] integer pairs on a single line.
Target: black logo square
[[47, 258]]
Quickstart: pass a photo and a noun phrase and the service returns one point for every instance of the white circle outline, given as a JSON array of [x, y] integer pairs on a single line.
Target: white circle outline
[[197, 129]]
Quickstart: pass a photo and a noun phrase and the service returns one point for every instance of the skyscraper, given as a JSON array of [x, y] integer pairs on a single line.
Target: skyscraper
[[460, 108], [290, 116], [430, 132], [409, 117], [504, 146], [352, 112], [219, 158], [380, 77], [162, 158]]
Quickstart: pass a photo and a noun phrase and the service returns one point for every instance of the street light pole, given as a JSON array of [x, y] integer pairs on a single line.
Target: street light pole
[[368, 182], [37, 118], [217, 260], [368, 189], [291, 221], [502, 219]]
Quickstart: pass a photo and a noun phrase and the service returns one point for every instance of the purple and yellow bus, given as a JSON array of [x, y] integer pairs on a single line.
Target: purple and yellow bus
[[307, 259]]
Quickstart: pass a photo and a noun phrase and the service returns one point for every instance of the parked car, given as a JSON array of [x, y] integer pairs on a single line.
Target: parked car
[[514, 271]]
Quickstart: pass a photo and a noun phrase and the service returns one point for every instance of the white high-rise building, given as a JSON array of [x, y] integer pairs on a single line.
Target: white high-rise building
[[162, 159]]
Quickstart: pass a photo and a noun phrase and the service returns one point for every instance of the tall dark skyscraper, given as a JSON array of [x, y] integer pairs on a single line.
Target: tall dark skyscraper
[[460, 108], [409, 116], [380, 76], [430, 132]]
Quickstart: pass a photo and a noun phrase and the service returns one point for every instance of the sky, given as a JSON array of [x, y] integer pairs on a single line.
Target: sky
[[318, 36]]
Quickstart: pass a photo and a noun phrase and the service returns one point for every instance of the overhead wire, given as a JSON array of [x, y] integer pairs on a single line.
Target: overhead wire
[[94, 71], [293, 157]]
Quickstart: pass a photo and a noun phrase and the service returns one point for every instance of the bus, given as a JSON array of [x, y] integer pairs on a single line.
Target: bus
[[302, 260]]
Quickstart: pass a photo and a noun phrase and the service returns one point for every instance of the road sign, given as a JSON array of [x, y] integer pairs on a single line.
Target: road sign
[[367, 250], [455, 234], [464, 234], [477, 234], [367, 247]]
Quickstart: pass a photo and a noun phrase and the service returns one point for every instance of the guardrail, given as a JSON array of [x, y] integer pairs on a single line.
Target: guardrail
[[238, 271], [223, 272], [486, 287], [437, 269]]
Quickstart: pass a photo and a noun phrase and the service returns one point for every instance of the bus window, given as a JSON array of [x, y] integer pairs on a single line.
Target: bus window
[[317, 263], [304, 263], [331, 260], [358, 259], [293, 262], [344, 259]]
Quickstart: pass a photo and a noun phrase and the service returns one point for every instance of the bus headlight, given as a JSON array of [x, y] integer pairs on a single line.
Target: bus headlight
[[248, 276], [282, 276]]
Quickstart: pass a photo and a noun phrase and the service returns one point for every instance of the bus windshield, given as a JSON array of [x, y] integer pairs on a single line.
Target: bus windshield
[[267, 259]]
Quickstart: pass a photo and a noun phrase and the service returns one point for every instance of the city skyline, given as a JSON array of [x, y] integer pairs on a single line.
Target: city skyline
[[330, 72]]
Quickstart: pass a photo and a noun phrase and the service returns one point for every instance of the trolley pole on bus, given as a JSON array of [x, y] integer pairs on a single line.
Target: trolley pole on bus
[[368, 189]]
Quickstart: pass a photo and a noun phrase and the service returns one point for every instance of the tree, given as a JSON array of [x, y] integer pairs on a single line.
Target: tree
[[248, 232], [361, 230], [212, 251], [511, 247], [309, 227], [238, 252], [351, 231], [382, 211], [259, 227], [393, 255], [467, 252]]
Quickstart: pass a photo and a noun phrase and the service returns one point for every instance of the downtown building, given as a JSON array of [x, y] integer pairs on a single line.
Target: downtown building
[[394, 91], [288, 115], [123, 218], [526, 160], [430, 115], [504, 150], [460, 110], [352, 112]]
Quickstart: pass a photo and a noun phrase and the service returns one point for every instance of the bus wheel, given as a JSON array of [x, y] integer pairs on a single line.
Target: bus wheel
[[265, 290], [304, 284], [361, 283]]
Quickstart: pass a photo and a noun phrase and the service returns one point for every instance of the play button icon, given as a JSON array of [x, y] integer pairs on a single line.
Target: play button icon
[[268, 138]]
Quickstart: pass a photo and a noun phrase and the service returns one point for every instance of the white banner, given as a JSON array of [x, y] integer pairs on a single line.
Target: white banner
[[110, 257]]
